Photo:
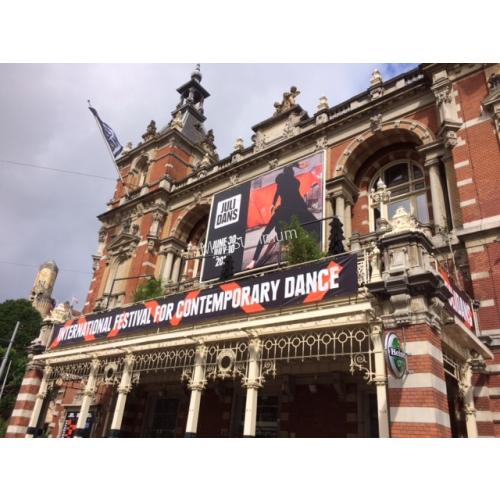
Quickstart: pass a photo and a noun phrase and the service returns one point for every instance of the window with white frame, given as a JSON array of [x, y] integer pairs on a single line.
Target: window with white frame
[[406, 182]]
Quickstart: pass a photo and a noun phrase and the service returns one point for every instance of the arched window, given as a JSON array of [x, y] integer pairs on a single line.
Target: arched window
[[406, 182], [140, 172]]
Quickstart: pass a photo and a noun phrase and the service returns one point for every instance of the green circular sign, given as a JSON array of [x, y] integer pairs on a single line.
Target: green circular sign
[[395, 356]]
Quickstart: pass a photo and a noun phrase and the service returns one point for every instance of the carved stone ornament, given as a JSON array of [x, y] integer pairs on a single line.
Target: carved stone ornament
[[239, 145], [209, 138], [321, 118], [375, 262], [450, 138], [95, 262], [403, 221], [273, 163], [376, 85], [323, 104], [205, 162], [158, 216], [233, 179], [123, 246], [176, 122], [127, 223], [102, 235], [494, 82], [401, 304], [376, 123], [321, 143], [128, 147], [477, 362], [197, 197], [376, 78], [260, 141], [442, 93], [152, 241], [150, 131], [287, 102], [208, 144], [437, 313], [290, 130], [492, 102]]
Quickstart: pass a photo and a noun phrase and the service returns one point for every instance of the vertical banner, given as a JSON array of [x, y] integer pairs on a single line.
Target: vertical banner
[[249, 221]]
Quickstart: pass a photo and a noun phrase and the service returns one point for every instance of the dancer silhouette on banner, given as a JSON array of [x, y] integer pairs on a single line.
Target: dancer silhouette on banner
[[291, 203]]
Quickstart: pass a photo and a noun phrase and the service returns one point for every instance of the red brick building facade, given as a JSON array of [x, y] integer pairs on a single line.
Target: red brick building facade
[[412, 167]]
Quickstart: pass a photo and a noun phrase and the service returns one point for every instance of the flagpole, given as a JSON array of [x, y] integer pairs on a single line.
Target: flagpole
[[110, 152]]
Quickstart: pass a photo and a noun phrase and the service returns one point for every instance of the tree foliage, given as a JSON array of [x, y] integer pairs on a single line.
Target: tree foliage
[[12, 311], [149, 290], [304, 246]]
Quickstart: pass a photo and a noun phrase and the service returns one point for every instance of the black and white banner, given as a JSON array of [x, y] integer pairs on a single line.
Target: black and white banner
[[305, 284], [249, 221], [109, 134]]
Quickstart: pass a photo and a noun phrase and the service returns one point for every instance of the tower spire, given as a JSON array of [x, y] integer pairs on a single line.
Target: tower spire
[[188, 116]]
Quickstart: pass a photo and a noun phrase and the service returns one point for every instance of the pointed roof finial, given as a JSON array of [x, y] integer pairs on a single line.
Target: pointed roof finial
[[196, 74], [376, 78]]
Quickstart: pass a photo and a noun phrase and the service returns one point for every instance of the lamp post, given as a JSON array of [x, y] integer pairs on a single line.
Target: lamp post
[[381, 197], [7, 352]]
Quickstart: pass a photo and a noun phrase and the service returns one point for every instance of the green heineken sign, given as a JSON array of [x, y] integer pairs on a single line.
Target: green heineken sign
[[396, 358]]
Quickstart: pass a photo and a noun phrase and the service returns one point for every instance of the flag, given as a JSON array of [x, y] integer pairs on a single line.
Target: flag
[[113, 142]]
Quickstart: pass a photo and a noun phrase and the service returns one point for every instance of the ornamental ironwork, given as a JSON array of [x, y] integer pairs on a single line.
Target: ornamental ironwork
[[231, 359], [347, 343]]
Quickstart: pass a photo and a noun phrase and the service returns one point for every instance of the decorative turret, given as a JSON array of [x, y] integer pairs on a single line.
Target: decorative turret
[[188, 116], [41, 293]]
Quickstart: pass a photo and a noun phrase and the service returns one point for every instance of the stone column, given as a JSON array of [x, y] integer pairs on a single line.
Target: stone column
[[197, 384], [196, 266], [348, 222], [380, 382], [177, 268], [468, 395], [451, 186], [253, 383], [32, 429], [340, 208], [329, 213], [167, 268], [20, 418], [438, 204], [123, 390], [88, 394]]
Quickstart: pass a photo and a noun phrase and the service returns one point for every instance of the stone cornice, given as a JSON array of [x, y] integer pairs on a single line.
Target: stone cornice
[[159, 141], [148, 197]]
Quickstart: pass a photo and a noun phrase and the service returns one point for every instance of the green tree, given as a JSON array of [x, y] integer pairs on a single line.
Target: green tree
[[12, 311], [303, 246], [149, 290]]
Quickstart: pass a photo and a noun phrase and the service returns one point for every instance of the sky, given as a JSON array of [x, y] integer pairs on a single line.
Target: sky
[[46, 215]]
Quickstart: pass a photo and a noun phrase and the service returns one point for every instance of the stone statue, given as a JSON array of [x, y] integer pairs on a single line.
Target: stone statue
[[150, 131], [288, 101]]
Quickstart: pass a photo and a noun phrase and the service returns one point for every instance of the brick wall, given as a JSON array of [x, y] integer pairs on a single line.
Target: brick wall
[[418, 402]]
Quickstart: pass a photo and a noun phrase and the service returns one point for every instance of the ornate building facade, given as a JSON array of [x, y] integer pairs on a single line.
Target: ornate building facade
[[408, 343]]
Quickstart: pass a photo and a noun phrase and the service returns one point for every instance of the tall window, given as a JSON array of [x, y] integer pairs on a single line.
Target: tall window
[[405, 180]]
